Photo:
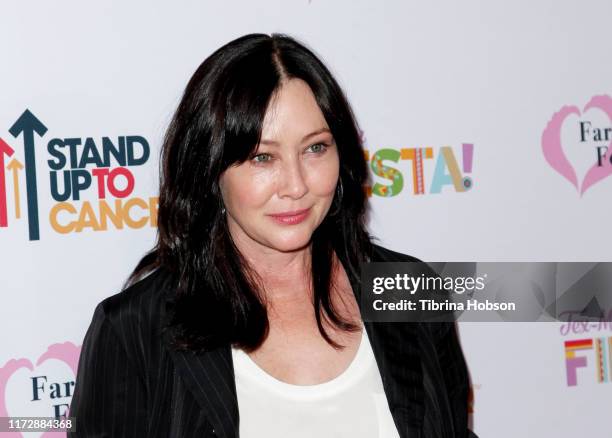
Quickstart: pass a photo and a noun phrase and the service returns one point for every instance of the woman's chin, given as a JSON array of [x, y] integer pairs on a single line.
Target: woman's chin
[[291, 243]]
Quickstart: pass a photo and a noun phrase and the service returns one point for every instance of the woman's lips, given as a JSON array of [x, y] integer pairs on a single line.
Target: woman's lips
[[290, 217]]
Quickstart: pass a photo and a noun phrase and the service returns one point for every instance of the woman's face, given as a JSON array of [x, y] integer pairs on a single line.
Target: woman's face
[[277, 198]]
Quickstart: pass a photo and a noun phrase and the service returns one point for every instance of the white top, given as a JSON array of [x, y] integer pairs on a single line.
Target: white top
[[353, 405]]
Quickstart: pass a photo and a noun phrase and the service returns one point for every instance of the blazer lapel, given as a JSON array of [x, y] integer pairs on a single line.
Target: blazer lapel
[[396, 349], [396, 352], [210, 378]]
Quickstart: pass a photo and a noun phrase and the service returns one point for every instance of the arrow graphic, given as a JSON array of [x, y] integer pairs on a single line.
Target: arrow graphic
[[5, 149], [15, 165], [28, 124]]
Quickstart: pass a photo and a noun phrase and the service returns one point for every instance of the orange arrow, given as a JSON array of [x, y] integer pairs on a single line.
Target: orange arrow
[[16, 166]]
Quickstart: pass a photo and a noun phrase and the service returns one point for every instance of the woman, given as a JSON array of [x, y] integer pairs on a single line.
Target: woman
[[249, 298]]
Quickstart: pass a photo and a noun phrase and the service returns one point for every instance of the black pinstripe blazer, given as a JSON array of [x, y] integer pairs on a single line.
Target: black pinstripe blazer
[[130, 383]]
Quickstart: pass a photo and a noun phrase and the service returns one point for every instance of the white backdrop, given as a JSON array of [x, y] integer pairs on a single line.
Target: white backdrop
[[420, 76]]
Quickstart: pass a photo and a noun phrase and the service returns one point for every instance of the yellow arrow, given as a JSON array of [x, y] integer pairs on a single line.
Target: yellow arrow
[[16, 166]]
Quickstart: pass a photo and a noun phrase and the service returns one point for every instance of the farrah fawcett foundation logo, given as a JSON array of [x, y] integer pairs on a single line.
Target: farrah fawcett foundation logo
[[578, 144]]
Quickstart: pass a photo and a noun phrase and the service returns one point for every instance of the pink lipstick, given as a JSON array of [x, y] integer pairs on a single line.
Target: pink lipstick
[[291, 217]]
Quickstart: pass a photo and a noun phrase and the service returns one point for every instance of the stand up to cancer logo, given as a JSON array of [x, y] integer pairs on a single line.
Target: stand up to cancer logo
[[90, 181]]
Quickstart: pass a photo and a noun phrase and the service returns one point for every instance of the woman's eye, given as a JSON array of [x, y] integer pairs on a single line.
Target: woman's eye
[[261, 158], [317, 148]]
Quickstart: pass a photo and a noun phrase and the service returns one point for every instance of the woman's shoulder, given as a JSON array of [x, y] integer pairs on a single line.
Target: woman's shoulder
[[140, 293], [137, 309], [382, 254], [418, 266]]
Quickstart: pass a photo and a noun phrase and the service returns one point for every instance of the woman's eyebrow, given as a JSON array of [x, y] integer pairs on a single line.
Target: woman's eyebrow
[[306, 137]]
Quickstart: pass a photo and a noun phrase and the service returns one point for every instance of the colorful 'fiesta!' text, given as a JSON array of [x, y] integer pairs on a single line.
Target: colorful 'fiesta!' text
[[446, 171], [79, 169]]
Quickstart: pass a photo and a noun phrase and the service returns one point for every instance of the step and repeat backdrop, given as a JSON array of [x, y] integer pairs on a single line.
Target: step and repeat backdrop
[[488, 126]]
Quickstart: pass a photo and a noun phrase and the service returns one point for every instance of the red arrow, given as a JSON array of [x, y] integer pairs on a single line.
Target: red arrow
[[5, 149]]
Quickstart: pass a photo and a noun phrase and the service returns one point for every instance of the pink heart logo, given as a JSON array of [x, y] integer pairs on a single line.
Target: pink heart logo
[[554, 154], [66, 352]]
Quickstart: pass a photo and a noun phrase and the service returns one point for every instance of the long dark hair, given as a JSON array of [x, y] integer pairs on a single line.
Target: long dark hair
[[216, 297]]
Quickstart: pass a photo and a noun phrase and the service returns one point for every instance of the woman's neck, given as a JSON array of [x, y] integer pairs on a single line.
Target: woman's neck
[[284, 274]]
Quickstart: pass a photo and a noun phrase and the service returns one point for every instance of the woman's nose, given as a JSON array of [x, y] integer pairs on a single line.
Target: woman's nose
[[291, 180]]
